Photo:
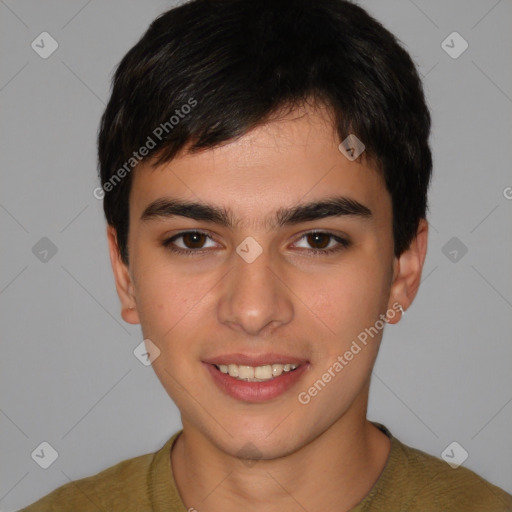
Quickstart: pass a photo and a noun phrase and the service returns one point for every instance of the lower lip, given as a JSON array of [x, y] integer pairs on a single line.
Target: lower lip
[[256, 391]]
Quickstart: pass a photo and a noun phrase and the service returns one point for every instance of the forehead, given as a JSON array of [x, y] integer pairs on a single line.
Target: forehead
[[285, 162]]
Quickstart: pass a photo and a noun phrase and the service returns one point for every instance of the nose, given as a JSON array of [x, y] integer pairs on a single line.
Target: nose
[[254, 298]]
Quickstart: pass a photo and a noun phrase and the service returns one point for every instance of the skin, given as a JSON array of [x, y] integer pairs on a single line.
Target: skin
[[321, 456]]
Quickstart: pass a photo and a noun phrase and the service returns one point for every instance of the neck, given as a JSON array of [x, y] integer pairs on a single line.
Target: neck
[[334, 471]]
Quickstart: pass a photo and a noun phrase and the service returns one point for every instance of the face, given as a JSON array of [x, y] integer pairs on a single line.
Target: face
[[269, 283]]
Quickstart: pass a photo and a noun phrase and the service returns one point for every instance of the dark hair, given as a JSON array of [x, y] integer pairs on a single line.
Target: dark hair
[[234, 63]]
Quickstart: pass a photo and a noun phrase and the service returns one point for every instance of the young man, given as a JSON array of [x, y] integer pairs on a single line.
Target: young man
[[264, 169]]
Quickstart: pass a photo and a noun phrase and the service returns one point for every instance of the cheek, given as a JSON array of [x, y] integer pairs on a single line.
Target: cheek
[[350, 306], [350, 298], [166, 296], [171, 313]]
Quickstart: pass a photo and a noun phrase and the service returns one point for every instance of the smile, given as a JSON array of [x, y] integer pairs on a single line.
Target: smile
[[256, 373], [255, 384]]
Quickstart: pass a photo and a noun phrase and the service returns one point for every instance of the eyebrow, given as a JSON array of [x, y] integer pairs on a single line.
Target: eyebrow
[[336, 206]]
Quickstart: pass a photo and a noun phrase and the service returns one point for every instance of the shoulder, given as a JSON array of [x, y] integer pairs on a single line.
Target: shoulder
[[125, 486], [428, 481]]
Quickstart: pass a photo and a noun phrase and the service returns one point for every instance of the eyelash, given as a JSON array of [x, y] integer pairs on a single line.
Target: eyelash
[[342, 243]]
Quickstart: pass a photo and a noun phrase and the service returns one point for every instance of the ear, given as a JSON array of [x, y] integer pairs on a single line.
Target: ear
[[124, 285], [407, 272]]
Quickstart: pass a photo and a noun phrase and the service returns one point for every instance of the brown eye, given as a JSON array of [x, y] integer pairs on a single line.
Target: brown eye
[[193, 239], [323, 242], [318, 240], [191, 242]]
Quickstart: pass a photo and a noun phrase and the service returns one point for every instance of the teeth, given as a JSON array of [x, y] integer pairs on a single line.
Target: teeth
[[256, 373], [245, 372], [233, 370], [263, 372]]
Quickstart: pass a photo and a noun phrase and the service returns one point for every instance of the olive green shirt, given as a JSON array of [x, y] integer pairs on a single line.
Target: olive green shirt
[[411, 481]]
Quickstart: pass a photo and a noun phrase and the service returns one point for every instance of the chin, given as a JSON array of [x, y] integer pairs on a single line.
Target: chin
[[263, 439]]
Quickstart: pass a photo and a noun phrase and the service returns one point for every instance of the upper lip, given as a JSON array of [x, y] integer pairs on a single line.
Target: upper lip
[[254, 360]]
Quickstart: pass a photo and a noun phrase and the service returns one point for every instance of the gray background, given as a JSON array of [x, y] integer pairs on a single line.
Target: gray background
[[69, 376]]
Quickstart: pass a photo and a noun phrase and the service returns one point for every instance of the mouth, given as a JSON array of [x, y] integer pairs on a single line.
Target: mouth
[[258, 382]]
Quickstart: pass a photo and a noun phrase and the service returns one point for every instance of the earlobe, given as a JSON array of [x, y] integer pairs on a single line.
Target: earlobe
[[123, 280], [408, 271]]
